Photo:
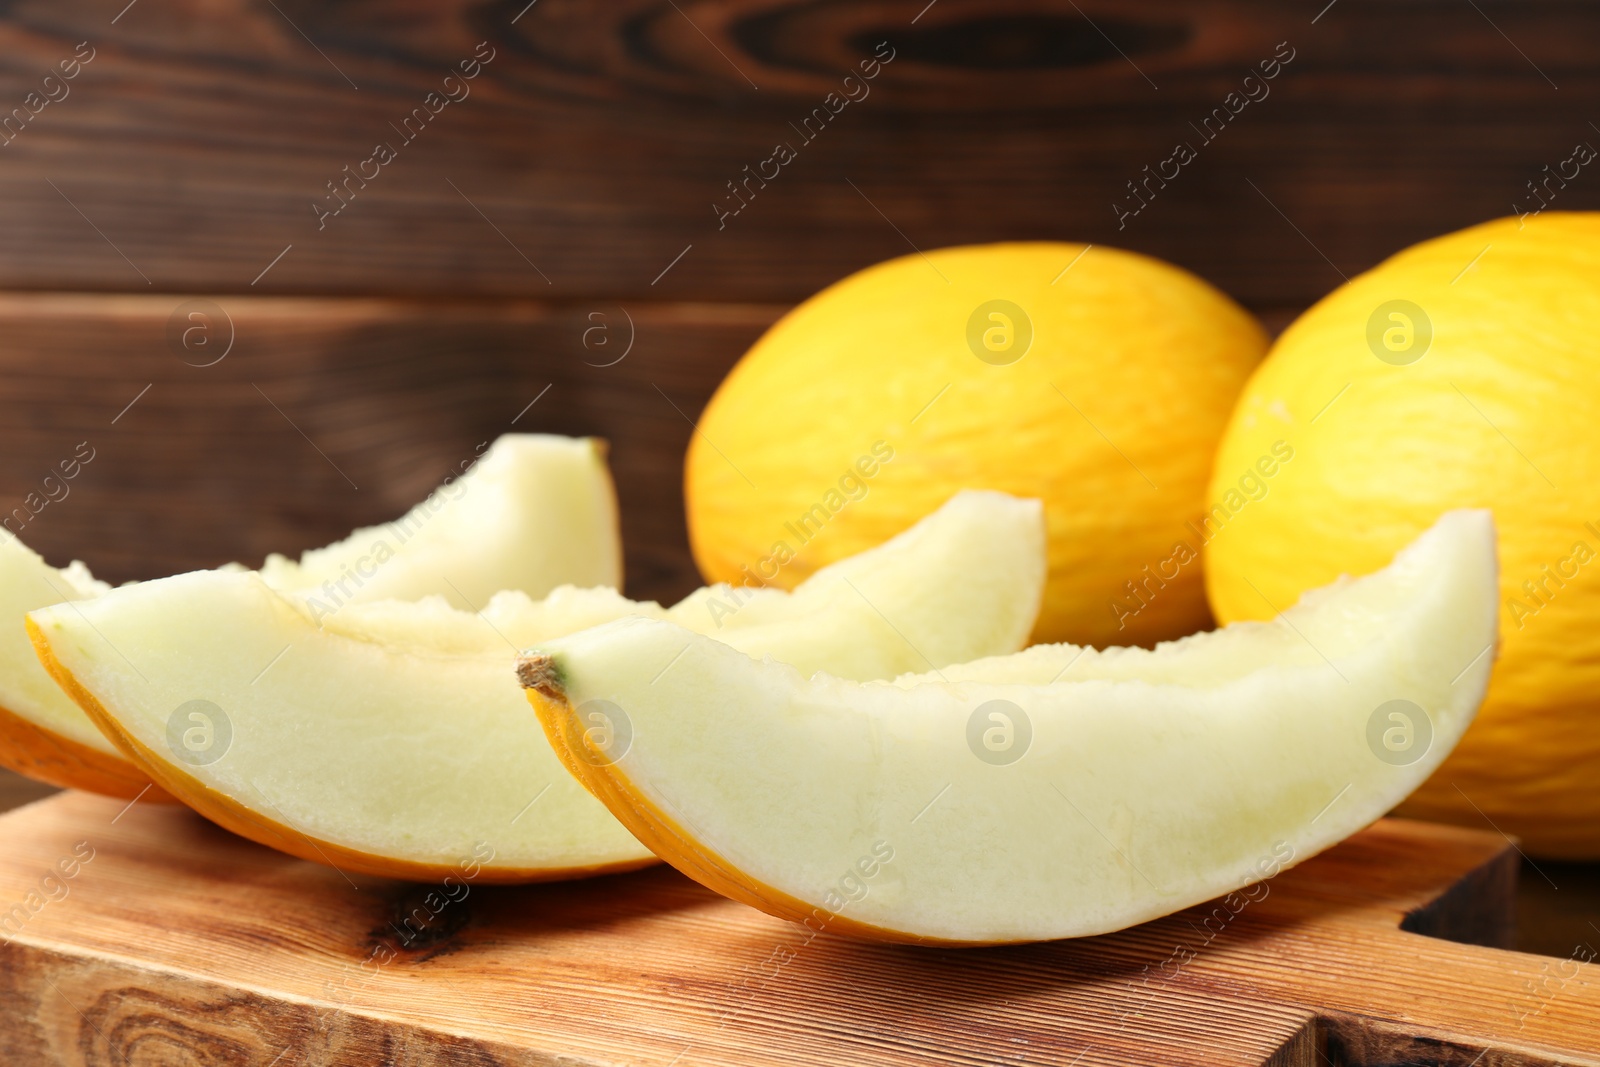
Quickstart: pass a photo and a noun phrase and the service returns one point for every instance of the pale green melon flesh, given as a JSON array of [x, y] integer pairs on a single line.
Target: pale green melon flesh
[[398, 729], [28, 582], [1153, 779], [964, 582], [391, 752], [535, 512]]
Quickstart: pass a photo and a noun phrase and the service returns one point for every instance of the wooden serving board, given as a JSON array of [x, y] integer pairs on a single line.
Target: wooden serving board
[[173, 942]]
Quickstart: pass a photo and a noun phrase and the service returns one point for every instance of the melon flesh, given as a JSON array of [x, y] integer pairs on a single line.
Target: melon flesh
[[874, 615], [393, 737], [971, 574], [536, 511], [28, 582], [385, 758], [1152, 780]]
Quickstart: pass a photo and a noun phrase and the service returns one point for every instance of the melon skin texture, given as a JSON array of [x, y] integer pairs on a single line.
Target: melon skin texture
[[868, 404], [535, 511], [392, 738], [1142, 783]]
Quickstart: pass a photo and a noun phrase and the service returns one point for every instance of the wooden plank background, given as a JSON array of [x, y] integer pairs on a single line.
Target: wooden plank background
[[599, 136], [330, 413]]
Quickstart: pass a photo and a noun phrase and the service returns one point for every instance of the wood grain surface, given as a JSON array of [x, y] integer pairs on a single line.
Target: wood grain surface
[[589, 152], [174, 942]]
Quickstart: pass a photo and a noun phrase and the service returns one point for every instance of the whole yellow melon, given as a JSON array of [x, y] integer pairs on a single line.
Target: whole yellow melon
[[1463, 372], [1093, 379]]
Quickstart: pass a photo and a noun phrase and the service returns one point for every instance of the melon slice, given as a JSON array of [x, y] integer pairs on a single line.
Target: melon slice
[[1055, 793], [969, 576], [43, 734], [534, 512], [394, 738]]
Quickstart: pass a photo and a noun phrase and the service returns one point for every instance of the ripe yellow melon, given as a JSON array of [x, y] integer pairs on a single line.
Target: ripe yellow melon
[[1095, 380], [1463, 372]]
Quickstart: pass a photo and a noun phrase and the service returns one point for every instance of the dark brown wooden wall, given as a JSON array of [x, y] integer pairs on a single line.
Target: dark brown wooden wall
[[184, 158]]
